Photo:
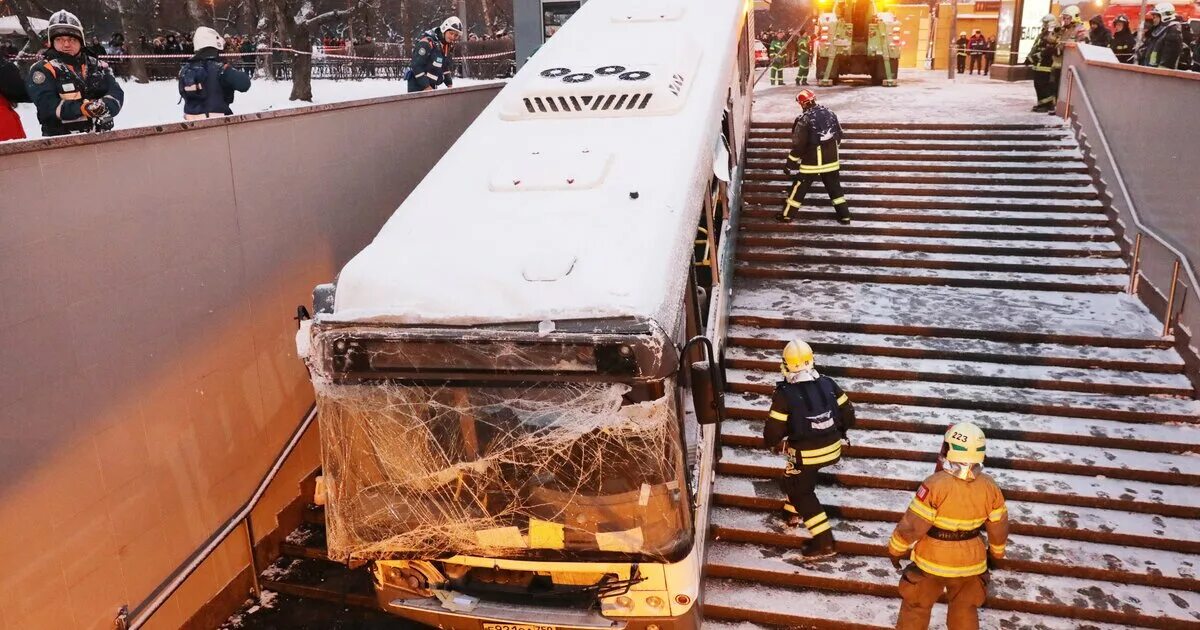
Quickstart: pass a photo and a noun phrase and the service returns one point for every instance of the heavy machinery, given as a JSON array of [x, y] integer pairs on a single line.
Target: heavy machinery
[[854, 38]]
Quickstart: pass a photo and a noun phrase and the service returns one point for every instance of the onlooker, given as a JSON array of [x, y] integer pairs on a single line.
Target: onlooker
[[74, 92], [172, 46], [96, 49], [432, 64], [1164, 38], [977, 45], [1185, 51], [116, 45], [1123, 40], [1099, 35], [12, 91], [207, 84], [960, 52], [990, 56]]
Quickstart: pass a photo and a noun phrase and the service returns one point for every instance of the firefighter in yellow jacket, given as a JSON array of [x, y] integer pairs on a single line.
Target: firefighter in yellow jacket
[[943, 530]]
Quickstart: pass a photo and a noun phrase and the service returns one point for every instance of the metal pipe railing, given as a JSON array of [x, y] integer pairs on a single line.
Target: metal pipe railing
[[1181, 259], [133, 619]]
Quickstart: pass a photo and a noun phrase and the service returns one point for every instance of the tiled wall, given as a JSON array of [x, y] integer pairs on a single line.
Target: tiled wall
[[147, 364]]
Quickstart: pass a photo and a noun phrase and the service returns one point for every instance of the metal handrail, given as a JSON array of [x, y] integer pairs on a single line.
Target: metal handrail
[[1181, 259], [140, 615]]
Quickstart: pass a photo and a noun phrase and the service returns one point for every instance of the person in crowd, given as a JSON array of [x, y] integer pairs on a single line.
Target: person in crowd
[[74, 92], [172, 46], [809, 418], [207, 84], [95, 48], [1041, 57], [1164, 38], [1098, 34], [816, 134], [159, 45], [116, 44], [989, 57], [1185, 51], [977, 46], [432, 59], [12, 91], [1123, 40], [143, 46], [960, 52], [942, 530]]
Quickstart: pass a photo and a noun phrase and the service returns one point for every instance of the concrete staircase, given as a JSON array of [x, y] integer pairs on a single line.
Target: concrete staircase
[[978, 282]]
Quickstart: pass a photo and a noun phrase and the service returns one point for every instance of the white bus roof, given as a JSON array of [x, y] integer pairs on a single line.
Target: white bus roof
[[542, 212]]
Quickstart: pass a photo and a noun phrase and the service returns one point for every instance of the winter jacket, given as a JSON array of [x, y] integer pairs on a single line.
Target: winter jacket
[[1123, 44], [948, 507], [12, 91], [432, 64], [815, 137], [1100, 36], [60, 86], [220, 86], [1162, 45], [814, 417], [977, 44]]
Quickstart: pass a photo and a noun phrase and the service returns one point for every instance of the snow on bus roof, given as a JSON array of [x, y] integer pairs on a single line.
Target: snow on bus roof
[[575, 193]]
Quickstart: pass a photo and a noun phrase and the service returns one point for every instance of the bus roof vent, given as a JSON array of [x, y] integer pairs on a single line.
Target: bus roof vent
[[605, 88], [647, 11]]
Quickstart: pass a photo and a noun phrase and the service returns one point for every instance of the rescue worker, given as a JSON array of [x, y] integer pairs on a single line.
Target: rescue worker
[[803, 57], [1186, 60], [74, 92], [1123, 40], [12, 91], [942, 530], [775, 50], [1164, 38], [432, 63], [206, 83], [816, 135], [1041, 57], [808, 421], [1073, 28], [1099, 35], [960, 54], [977, 46]]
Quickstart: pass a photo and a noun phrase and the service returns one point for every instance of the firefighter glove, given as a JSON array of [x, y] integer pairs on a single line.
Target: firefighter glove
[[94, 109], [896, 563]]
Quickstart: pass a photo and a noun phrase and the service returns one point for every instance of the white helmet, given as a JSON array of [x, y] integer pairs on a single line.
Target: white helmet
[[64, 23], [965, 444], [1049, 20], [1166, 10], [451, 23], [206, 37], [1071, 12]]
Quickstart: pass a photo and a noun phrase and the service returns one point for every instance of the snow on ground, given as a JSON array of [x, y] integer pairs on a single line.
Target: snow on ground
[[157, 102], [922, 96]]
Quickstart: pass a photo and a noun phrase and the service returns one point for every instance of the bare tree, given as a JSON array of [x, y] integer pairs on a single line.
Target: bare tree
[[135, 17], [299, 21]]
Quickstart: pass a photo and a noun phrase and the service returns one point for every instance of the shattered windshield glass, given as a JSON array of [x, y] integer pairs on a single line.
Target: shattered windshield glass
[[563, 470]]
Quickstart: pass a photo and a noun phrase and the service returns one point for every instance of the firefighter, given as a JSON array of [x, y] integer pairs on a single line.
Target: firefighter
[[74, 92], [1073, 29], [942, 529], [1041, 57], [1163, 39], [1123, 40], [960, 55], [432, 63], [775, 50], [803, 57], [815, 138], [808, 421], [1099, 35]]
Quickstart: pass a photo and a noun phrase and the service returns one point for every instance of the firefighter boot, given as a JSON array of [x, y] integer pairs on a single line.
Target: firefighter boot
[[819, 548]]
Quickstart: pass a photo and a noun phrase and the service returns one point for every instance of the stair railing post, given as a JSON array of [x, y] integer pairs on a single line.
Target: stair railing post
[[1070, 88], [1171, 299], [1133, 267], [255, 587]]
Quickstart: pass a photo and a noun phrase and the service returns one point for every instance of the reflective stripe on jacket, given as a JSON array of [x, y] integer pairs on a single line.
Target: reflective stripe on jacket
[[949, 503]]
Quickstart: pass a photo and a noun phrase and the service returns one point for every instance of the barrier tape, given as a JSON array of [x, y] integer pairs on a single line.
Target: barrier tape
[[261, 53]]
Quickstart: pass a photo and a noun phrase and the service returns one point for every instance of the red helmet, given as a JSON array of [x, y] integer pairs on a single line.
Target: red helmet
[[806, 98]]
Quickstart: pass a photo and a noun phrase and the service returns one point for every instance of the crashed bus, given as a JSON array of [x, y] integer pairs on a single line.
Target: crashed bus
[[508, 437]]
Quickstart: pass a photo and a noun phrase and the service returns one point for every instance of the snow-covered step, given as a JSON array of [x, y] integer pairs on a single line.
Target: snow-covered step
[[1164, 468], [1095, 380], [890, 163], [741, 605], [1063, 217], [941, 230], [950, 200], [864, 172], [1025, 485], [1111, 320], [852, 155], [940, 125], [968, 144], [929, 134], [1093, 600], [1027, 518], [831, 253], [1148, 409], [1032, 554], [1159, 438], [985, 246], [951, 348], [781, 184], [851, 272]]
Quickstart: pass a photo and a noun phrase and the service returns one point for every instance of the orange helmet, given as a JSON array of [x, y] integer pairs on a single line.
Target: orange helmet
[[806, 98]]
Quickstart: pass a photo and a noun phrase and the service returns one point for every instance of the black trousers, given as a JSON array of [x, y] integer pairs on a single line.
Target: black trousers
[[976, 62], [962, 63], [800, 487], [801, 182], [1044, 87]]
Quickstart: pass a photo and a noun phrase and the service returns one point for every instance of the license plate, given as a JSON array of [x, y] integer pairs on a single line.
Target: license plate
[[516, 626]]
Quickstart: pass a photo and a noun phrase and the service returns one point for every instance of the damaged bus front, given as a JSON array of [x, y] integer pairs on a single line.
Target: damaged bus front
[[509, 476]]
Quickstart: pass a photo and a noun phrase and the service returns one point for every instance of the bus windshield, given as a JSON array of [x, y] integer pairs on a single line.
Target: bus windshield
[[539, 471]]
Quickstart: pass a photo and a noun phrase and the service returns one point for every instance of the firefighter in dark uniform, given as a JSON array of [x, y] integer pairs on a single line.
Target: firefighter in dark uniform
[[1041, 57], [815, 137], [1163, 39], [809, 418], [74, 92], [1123, 40], [432, 64], [942, 530]]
